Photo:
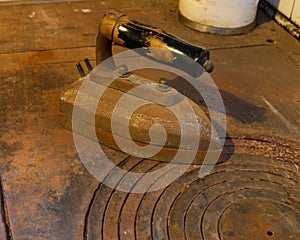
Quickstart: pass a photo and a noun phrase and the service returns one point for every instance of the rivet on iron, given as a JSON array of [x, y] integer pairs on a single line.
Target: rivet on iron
[[122, 71], [163, 85]]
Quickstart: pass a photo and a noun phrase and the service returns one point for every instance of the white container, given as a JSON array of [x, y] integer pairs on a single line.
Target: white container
[[219, 16]]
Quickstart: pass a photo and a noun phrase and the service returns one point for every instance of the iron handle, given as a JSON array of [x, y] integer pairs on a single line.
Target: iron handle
[[119, 29]]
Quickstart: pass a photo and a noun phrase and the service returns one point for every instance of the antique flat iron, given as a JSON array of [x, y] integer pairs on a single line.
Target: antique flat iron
[[161, 47]]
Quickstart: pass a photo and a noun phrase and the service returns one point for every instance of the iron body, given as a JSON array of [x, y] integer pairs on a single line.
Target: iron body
[[118, 29]]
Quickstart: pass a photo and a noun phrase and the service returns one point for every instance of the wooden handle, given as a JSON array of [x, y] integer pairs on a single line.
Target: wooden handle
[[119, 29]]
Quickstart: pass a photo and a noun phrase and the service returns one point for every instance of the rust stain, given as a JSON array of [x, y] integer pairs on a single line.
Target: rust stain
[[37, 57], [39, 174]]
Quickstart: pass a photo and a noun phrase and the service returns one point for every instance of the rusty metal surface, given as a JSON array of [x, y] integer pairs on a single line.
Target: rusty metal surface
[[38, 160], [262, 94], [246, 198], [140, 122], [5, 232], [49, 194], [53, 22]]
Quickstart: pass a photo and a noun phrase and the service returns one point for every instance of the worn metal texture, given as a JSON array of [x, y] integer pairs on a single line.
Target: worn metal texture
[[246, 198], [140, 123], [49, 194]]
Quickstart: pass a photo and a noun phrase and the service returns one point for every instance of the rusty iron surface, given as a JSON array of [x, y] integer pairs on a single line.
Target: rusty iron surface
[[139, 125], [245, 198], [50, 195]]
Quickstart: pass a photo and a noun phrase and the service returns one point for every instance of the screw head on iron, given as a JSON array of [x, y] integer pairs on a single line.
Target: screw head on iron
[[122, 71], [163, 85]]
